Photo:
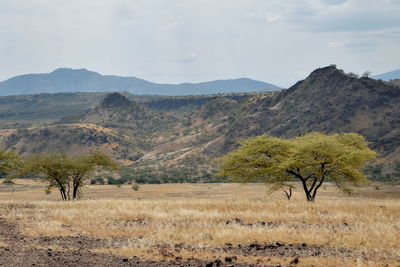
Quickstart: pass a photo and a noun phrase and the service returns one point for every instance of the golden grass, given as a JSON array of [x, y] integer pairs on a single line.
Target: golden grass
[[196, 214]]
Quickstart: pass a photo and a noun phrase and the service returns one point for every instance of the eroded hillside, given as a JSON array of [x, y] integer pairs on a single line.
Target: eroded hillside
[[190, 131]]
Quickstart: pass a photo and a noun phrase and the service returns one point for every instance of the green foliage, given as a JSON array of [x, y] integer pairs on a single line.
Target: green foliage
[[10, 164], [311, 158], [47, 191], [159, 175], [135, 187], [396, 171], [66, 173], [97, 180], [113, 181], [383, 172]]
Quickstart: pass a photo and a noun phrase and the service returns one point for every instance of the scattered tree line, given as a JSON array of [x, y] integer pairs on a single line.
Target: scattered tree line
[[378, 172], [310, 159], [158, 175]]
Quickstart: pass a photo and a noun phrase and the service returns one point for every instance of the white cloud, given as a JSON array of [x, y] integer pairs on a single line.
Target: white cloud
[[336, 44], [190, 58], [272, 18]]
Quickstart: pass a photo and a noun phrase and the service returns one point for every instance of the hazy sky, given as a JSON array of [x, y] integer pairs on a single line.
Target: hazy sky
[[172, 41]]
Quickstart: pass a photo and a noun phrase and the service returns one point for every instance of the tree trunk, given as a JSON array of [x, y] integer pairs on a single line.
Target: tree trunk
[[77, 183], [75, 192], [312, 191], [62, 192], [306, 190]]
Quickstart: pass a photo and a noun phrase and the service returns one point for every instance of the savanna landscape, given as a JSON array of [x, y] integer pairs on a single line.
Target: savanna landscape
[[200, 225], [166, 202], [200, 133]]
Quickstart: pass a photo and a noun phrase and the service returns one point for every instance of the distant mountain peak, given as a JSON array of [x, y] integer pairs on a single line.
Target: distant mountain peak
[[331, 81], [83, 80], [327, 71], [387, 76], [70, 70]]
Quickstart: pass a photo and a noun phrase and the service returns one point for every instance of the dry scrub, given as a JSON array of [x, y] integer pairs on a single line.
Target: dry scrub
[[344, 230]]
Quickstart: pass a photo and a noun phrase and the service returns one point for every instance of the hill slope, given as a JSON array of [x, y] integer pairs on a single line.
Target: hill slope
[[70, 139], [82, 80], [192, 130], [330, 101]]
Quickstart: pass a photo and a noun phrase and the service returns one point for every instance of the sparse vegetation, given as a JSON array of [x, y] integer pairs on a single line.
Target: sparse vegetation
[[67, 174], [135, 187], [209, 222], [140, 211], [10, 164], [189, 131], [312, 159]]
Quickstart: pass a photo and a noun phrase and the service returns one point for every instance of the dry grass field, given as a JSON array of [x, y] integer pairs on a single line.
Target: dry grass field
[[200, 224]]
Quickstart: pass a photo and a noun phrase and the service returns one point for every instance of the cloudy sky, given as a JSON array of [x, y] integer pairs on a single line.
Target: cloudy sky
[[173, 41]]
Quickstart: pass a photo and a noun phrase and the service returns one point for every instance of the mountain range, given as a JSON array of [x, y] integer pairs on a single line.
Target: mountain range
[[82, 80], [190, 131], [387, 76]]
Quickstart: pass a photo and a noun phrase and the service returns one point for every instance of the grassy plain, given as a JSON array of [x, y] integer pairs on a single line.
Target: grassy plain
[[214, 221]]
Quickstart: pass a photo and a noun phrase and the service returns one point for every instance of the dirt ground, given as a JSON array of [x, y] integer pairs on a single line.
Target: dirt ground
[[78, 251]]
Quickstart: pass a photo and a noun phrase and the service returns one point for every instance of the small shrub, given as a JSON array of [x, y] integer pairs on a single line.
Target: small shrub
[[135, 187]]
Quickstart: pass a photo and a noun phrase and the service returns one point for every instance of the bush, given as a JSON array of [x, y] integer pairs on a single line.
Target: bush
[[135, 187], [113, 181]]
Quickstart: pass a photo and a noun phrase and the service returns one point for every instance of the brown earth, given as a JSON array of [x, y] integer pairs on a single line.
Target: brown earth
[[19, 250]]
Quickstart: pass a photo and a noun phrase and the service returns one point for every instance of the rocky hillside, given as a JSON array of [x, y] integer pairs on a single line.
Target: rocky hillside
[[329, 101], [191, 131], [70, 139]]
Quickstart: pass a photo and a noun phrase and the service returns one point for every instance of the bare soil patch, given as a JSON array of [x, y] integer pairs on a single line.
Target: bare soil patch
[[17, 250]]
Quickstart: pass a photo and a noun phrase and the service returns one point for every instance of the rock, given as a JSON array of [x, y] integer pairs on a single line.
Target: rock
[[228, 259], [217, 262]]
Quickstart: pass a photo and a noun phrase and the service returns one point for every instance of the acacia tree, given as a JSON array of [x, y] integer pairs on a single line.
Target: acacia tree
[[311, 159], [10, 164], [66, 173]]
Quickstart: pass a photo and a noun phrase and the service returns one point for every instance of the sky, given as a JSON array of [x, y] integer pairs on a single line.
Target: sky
[[175, 41]]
